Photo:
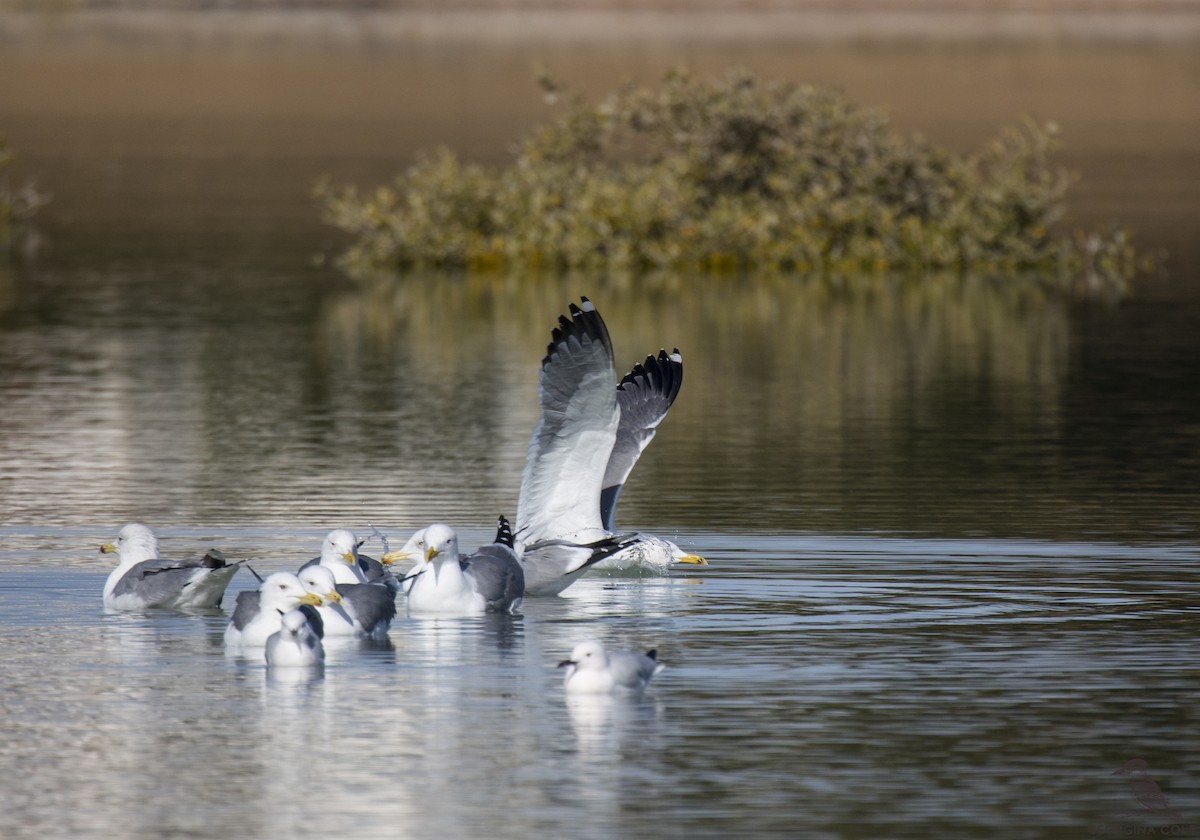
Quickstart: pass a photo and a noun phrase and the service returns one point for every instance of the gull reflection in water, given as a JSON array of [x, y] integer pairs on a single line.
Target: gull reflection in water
[[606, 724], [293, 681]]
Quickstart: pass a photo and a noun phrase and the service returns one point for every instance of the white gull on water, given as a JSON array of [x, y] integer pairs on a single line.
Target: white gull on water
[[339, 554], [593, 670], [350, 609], [297, 642], [589, 435], [258, 612], [142, 579], [490, 580]]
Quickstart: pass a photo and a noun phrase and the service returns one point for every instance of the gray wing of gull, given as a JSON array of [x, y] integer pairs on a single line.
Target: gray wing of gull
[[378, 574], [644, 396], [633, 670], [498, 576], [553, 565], [369, 604], [246, 609], [573, 438], [160, 580]]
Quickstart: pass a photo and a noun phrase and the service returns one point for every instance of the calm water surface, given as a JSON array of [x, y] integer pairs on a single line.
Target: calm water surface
[[952, 527]]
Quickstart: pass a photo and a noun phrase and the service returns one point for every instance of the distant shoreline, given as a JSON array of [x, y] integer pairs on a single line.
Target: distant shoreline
[[935, 22]]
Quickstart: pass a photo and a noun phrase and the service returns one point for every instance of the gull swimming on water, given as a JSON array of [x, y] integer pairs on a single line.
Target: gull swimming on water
[[490, 580], [257, 614], [593, 670], [587, 439], [297, 642], [143, 579], [339, 553], [349, 609]]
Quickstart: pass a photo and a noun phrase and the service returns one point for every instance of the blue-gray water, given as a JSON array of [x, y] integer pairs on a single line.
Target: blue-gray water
[[952, 527]]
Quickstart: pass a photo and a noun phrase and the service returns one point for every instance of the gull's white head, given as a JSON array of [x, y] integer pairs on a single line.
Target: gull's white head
[[318, 580], [413, 550], [441, 546], [135, 543], [294, 622], [283, 591], [587, 656], [340, 545], [678, 555]]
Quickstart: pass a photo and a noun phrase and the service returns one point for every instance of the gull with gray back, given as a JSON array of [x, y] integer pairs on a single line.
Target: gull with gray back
[[350, 609], [297, 642], [257, 614], [142, 579], [593, 670], [490, 580]]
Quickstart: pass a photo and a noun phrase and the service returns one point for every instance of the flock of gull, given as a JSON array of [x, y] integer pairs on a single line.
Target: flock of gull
[[587, 439]]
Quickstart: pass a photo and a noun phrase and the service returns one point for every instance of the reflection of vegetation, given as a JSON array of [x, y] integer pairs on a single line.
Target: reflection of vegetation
[[729, 175], [817, 394], [17, 204]]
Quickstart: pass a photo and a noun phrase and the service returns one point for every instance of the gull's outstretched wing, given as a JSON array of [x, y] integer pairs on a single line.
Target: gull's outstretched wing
[[571, 443], [644, 396]]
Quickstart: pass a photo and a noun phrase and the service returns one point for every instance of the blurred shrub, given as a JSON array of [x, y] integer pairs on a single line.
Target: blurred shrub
[[731, 175]]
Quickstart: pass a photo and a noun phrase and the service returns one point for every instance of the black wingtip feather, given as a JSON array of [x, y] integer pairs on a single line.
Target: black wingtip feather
[[661, 374], [653, 654], [504, 534], [584, 322], [606, 547], [214, 559]]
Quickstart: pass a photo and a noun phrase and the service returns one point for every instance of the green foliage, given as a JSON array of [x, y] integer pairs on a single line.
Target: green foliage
[[732, 175]]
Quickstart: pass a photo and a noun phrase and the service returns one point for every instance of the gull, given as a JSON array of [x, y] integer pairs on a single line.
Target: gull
[[413, 550], [349, 609], [339, 554], [143, 579], [593, 670], [488, 581], [411, 553], [297, 642], [339, 547], [257, 614], [564, 504]]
